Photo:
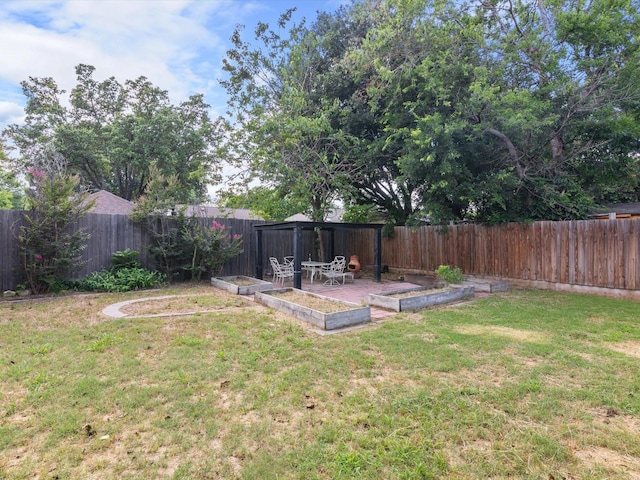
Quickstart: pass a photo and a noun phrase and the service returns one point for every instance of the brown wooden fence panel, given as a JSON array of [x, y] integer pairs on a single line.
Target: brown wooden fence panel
[[599, 253], [112, 233], [10, 222], [632, 265]]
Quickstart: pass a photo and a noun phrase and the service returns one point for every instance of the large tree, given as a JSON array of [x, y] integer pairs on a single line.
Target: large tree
[[112, 134], [495, 110], [288, 98], [510, 110]]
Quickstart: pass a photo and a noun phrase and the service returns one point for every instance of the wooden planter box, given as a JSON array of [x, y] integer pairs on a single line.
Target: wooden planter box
[[356, 314], [229, 284], [486, 285], [423, 298]]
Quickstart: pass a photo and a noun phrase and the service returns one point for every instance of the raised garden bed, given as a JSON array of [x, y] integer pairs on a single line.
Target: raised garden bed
[[429, 281], [412, 299], [487, 285], [323, 312], [241, 285]]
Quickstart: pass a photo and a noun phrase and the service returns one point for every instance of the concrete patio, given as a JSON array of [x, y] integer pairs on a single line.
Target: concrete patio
[[357, 291]]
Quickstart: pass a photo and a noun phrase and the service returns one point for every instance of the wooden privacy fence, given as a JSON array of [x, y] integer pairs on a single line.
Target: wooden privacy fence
[[109, 234], [595, 253]]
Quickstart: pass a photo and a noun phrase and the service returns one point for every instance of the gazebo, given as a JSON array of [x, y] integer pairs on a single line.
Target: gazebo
[[297, 229]]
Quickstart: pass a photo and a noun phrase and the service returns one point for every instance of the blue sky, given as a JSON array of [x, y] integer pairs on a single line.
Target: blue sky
[[177, 44]]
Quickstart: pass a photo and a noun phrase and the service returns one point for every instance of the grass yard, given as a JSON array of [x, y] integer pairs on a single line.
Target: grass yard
[[525, 384]]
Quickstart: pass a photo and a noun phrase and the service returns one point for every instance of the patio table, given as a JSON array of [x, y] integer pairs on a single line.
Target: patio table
[[313, 267]]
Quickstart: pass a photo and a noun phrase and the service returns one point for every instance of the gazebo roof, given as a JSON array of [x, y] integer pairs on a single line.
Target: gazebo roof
[[292, 225]]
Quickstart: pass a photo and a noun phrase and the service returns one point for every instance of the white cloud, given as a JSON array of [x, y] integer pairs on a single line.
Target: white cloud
[[177, 44], [11, 113], [126, 39]]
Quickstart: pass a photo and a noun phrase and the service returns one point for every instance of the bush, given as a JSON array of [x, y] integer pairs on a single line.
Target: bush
[[125, 275], [449, 275], [125, 259], [50, 243], [183, 247], [121, 279]]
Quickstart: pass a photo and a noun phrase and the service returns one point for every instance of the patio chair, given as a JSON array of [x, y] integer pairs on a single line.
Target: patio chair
[[281, 272], [345, 273], [288, 260], [335, 270]]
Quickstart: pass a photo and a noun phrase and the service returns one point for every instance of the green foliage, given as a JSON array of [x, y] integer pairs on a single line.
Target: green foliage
[[112, 134], [121, 279], [284, 94], [5, 200], [449, 274], [507, 111], [50, 244], [125, 275], [267, 203], [212, 246], [11, 191], [360, 214], [125, 259], [184, 247]]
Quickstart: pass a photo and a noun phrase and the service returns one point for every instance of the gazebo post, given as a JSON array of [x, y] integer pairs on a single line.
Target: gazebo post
[[331, 248], [377, 255], [259, 267], [297, 257]]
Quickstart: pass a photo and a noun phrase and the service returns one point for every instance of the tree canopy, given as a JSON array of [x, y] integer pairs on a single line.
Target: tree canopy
[[501, 110], [111, 134], [11, 195]]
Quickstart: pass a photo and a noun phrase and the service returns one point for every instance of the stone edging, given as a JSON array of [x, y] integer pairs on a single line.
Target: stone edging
[[113, 310]]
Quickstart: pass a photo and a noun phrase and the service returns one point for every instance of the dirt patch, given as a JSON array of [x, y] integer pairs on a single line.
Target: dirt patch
[[628, 348], [469, 449], [427, 337], [613, 420], [416, 293], [596, 320], [182, 303], [611, 460], [513, 333], [241, 282], [482, 377]]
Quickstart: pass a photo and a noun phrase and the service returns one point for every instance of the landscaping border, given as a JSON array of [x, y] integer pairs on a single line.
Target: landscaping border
[[429, 298], [326, 321], [227, 284]]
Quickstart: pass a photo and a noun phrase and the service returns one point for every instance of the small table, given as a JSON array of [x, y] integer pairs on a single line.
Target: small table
[[314, 267]]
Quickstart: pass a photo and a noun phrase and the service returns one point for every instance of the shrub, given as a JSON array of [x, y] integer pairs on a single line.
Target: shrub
[[121, 280], [50, 243], [449, 274], [125, 259], [125, 275], [183, 247]]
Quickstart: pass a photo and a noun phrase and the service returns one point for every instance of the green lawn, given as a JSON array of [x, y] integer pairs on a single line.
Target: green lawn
[[519, 385]]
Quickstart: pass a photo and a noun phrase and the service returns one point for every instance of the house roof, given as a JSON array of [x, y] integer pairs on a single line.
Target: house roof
[[333, 215], [620, 209], [208, 211], [303, 225], [108, 203]]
